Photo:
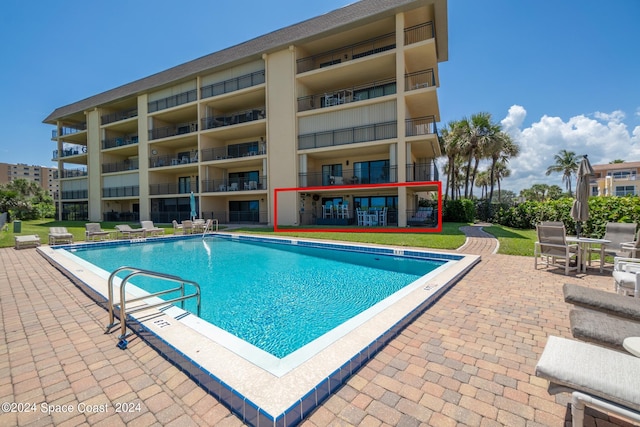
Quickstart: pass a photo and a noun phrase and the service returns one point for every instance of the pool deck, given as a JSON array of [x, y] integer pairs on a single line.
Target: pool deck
[[467, 360]]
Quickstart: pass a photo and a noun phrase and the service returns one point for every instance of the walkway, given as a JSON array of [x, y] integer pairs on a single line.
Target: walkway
[[467, 360], [479, 242]]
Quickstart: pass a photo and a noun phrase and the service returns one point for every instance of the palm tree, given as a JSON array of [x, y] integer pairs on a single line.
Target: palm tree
[[566, 163], [502, 171], [482, 181], [452, 146], [501, 148], [475, 134]]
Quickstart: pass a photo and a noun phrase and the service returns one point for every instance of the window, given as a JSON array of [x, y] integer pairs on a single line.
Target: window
[[241, 180], [625, 190], [184, 185], [622, 174], [330, 173], [244, 211], [375, 172]]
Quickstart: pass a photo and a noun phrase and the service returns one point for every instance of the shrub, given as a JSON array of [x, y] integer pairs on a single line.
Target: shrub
[[461, 210], [601, 211]]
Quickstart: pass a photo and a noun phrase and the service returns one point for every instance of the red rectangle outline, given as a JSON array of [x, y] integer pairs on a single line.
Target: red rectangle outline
[[438, 229]]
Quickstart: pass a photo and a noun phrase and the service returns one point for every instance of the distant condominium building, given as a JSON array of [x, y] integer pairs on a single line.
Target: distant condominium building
[[332, 107], [46, 177], [616, 179]]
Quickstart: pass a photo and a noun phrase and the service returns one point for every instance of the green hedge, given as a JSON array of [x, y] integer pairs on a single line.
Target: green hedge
[[601, 211]]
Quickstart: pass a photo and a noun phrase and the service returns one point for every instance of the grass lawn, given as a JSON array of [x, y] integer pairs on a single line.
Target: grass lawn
[[512, 241]]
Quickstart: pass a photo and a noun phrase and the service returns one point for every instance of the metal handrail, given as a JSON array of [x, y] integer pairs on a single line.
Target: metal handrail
[[123, 300]]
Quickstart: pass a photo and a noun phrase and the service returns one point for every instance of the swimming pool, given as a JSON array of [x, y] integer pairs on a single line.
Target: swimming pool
[[277, 297], [260, 388]]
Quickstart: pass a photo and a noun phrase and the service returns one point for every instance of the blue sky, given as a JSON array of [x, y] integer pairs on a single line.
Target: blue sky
[[556, 74]]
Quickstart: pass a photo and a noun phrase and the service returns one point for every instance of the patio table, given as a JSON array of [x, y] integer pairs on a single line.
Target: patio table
[[584, 246]]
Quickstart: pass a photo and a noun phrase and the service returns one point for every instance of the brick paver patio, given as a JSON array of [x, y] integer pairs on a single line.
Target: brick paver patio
[[468, 360]]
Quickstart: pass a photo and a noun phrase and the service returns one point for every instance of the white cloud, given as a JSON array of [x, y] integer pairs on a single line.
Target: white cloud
[[603, 136]]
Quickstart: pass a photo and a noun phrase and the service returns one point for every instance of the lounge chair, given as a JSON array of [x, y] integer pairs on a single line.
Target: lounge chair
[[59, 235], [597, 377], [27, 241], [177, 228], [125, 231], [423, 216], [626, 275], [606, 302], [152, 230], [602, 328], [552, 246], [93, 232]]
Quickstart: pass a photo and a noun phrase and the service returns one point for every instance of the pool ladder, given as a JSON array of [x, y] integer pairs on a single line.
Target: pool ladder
[[122, 344]]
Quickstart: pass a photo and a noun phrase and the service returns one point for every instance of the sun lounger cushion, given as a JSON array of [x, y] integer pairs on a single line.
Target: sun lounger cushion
[[577, 366], [608, 302], [601, 328]]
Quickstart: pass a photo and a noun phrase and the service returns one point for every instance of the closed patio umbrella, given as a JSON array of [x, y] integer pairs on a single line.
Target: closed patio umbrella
[[580, 208], [192, 203]]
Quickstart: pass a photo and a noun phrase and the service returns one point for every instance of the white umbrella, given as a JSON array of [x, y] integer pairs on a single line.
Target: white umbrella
[[580, 208]]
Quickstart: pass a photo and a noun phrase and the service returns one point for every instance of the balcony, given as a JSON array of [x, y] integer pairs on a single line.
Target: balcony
[[119, 142], [173, 188], [70, 173], [421, 126], [374, 132], [347, 53], [173, 160], [125, 165], [74, 194], [69, 152], [232, 85], [369, 90], [234, 151], [374, 175], [167, 131], [234, 184], [119, 115], [418, 33], [173, 101], [233, 119], [130, 191], [422, 172], [419, 80]]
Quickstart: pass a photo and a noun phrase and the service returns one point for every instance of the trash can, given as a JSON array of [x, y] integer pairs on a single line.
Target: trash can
[[17, 226]]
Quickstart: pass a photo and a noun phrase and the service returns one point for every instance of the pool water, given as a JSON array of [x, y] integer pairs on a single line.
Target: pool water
[[278, 297]]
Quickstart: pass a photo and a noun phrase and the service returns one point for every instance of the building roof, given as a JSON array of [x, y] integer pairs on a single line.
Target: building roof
[[615, 166], [362, 11]]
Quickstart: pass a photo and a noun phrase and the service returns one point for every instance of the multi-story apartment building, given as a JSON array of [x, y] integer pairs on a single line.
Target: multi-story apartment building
[[46, 177], [347, 98], [616, 179]]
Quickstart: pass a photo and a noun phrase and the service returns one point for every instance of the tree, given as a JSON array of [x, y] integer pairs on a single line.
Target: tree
[[566, 163], [501, 148], [482, 181], [452, 147], [26, 200], [475, 134]]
